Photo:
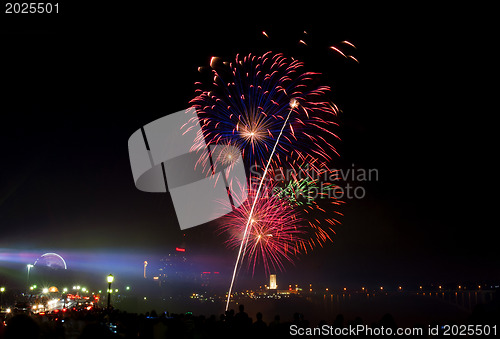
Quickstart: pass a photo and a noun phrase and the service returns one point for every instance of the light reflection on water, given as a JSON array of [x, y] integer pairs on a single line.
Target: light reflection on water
[[408, 309]]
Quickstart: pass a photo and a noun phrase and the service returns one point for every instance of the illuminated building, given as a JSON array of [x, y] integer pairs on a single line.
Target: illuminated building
[[209, 278], [174, 266], [272, 282], [179, 272]]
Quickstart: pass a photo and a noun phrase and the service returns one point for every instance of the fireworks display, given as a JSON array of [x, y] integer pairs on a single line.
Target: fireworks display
[[248, 100], [274, 229], [282, 122], [308, 186]]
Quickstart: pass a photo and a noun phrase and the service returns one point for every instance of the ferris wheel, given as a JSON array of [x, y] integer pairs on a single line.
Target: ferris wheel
[[51, 260]]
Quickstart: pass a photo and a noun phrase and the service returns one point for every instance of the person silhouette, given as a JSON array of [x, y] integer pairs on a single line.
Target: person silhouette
[[259, 327], [22, 326], [241, 319]]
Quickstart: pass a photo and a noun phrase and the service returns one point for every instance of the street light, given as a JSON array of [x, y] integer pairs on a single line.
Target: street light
[[110, 280], [29, 267], [2, 289]]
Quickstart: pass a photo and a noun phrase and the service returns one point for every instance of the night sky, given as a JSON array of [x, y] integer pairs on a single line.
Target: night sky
[[416, 108]]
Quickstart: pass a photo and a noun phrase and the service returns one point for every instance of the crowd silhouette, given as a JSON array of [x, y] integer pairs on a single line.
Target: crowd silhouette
[[100, 323]]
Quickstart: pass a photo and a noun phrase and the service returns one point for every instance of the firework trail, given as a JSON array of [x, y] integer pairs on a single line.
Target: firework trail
[[248, 105], [293, 104]]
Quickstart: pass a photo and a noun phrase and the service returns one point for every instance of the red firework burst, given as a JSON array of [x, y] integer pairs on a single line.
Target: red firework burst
[[273, 232]]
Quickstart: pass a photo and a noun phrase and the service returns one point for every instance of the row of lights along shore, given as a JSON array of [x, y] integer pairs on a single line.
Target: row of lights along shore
[[110, 278]]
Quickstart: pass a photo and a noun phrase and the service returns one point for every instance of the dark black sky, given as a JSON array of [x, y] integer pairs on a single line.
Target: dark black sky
[[76, 86]]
